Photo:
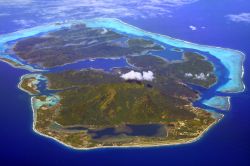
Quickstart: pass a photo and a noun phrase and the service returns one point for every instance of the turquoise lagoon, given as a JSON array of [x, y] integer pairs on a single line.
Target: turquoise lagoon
[[218, 102]]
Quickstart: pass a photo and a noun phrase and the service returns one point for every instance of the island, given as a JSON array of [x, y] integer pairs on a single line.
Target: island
[[149, 101]]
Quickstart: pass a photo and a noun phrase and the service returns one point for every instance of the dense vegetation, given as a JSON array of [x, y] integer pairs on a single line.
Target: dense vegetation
[[105, 99], [190, 70], [78, 43], [116, 104]]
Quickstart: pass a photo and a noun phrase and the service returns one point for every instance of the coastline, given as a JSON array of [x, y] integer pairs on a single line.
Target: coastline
[[25, 67], [132, 146], [179, 142], [20, 87], [21, 81]]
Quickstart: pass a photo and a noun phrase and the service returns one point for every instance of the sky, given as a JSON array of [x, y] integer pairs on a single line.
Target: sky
[[51, 10]]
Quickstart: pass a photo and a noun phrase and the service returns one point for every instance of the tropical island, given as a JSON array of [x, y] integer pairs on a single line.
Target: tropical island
[[149, 101]]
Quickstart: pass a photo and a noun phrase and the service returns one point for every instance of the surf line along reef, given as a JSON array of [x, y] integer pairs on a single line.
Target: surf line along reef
[[104, 83]]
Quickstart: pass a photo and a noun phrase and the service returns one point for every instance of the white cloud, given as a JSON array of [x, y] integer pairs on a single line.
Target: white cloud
[[132, 75], [193, 28], [242, 17], [200, 76], [188, 75], [148, 76], [78, 9]]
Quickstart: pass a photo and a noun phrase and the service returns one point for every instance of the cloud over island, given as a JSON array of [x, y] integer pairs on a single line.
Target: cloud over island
[[132, 75]]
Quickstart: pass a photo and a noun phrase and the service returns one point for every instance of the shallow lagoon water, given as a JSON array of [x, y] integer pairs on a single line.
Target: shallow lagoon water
[[218, 102], [50, 101]]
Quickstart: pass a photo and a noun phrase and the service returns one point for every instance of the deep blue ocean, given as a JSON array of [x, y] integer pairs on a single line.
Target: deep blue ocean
[[227, 143]]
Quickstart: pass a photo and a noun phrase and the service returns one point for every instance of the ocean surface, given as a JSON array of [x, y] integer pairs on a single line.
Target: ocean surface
[[227, 143]]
